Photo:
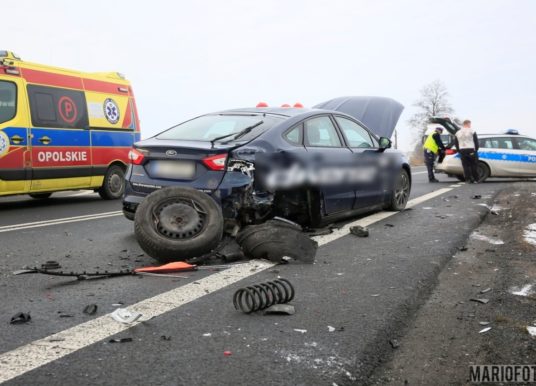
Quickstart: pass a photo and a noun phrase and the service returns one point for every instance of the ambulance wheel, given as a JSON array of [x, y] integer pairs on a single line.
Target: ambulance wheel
[[113, 185], [177, 223], [400, 193], [483, 171], [40, 196]]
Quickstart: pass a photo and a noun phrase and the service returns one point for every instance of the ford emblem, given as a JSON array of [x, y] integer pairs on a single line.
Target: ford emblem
[[171, 153]]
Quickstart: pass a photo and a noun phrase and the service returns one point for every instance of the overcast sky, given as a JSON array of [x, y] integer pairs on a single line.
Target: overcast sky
[[185, 58]]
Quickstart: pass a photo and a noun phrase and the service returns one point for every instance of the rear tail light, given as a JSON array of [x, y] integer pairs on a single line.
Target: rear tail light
[[135, 156], [215, 162], [450, 151]]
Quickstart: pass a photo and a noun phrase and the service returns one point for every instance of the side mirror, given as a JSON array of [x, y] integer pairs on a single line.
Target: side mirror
[[385, 143]]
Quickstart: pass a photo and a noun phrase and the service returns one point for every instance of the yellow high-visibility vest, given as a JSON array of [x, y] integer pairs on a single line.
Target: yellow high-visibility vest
[[430, 144]]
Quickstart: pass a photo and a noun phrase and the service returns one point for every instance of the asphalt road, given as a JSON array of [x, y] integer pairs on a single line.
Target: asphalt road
[[364, 288]]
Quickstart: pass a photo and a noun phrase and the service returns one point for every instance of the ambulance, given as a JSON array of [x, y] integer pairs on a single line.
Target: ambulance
[[63, 129]]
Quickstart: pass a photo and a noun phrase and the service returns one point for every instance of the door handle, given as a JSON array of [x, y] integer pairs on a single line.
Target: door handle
[[16, 139], [45, 140]]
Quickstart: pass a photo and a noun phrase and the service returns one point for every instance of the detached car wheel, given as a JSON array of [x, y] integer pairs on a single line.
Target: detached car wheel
[[178, 223], [400, 194], [113, 185]]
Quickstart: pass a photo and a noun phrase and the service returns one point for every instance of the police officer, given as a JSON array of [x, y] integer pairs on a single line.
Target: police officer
[[466, 142], [433, 147]]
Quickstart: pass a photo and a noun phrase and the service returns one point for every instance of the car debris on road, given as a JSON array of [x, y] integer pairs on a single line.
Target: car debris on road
[[264, 295]]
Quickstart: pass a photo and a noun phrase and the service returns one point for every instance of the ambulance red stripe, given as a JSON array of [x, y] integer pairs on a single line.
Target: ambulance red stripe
[[51, 79], [105, 87]]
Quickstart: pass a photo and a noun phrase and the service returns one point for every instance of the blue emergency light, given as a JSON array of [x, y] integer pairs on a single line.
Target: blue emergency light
[[512, 132]]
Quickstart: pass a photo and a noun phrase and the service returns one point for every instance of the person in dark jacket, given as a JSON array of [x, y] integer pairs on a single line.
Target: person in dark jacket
[[466, 142], [433, 147]]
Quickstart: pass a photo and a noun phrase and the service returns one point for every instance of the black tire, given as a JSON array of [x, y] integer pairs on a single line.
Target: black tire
[[400, 193], [113, 185], [483, 171], [178, 223], [129, 215], [276, 239], [460, 178], [40, 196]]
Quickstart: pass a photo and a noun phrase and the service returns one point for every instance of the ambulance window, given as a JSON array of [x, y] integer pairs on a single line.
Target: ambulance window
[[57, 107], [45, 107], [8, 101]]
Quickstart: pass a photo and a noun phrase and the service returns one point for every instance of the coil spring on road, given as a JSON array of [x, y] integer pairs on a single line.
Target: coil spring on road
[[260, 296]]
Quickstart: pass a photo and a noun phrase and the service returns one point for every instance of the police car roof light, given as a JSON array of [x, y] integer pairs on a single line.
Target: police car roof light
[[262, 104], [512, 132]]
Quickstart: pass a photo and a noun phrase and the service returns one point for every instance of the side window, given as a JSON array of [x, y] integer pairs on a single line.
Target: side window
[[320, 132], [294, 135], [526, 144], [57, 107], [8, 101], [355, 134], [505, 143]]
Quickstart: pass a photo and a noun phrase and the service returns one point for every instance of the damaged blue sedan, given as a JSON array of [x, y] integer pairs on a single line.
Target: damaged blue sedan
[[219, 173]]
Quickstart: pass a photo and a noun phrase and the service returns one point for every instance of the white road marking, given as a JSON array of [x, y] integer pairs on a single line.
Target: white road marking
[[413, 173], [38, 224], [43, 351], [366, 221], [83, 193]]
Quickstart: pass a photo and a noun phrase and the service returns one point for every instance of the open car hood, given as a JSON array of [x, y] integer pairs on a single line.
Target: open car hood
[[379, 114]]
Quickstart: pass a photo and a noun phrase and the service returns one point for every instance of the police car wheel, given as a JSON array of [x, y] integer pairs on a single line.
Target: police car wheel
[[483, 172], [400, 194], [177, 223], [40, 196], [113, 185]]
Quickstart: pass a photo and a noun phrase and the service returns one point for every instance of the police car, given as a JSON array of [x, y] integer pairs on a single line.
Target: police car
[[508, 155]]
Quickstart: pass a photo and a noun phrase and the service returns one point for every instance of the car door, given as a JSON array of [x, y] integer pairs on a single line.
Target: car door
[[525, 152], [365, 147], [15, 161], [60, 138], [498, 152], [326, 150]]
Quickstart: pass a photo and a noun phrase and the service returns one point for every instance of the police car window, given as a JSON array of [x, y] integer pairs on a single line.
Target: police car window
[[8, 101], [294, 135], [209, 127], [320, 132], [526, 144], [506, 143], [355, 134]]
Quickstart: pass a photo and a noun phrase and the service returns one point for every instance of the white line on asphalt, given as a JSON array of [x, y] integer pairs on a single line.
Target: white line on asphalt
[[38, 224], [366, 221], [419, 172], [40, 352], [83, 193]]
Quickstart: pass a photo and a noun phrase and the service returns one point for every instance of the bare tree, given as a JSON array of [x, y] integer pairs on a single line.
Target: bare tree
[[432, 102]]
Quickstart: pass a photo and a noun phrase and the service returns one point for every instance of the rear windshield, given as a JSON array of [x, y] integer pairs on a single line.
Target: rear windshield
[[8, 100], [209, 127]]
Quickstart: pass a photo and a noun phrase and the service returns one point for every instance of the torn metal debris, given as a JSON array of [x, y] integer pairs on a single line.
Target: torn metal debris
[[90, 309], [20, 318], [359, 231]]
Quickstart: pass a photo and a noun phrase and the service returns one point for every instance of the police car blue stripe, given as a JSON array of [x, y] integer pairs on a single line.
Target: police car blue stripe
[[505, 157]]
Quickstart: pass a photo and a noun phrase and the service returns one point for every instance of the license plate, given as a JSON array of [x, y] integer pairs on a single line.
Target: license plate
[[173, 169]]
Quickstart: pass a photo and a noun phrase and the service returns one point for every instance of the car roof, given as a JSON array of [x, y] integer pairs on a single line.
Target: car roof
[[281, 111], [503, 135]]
